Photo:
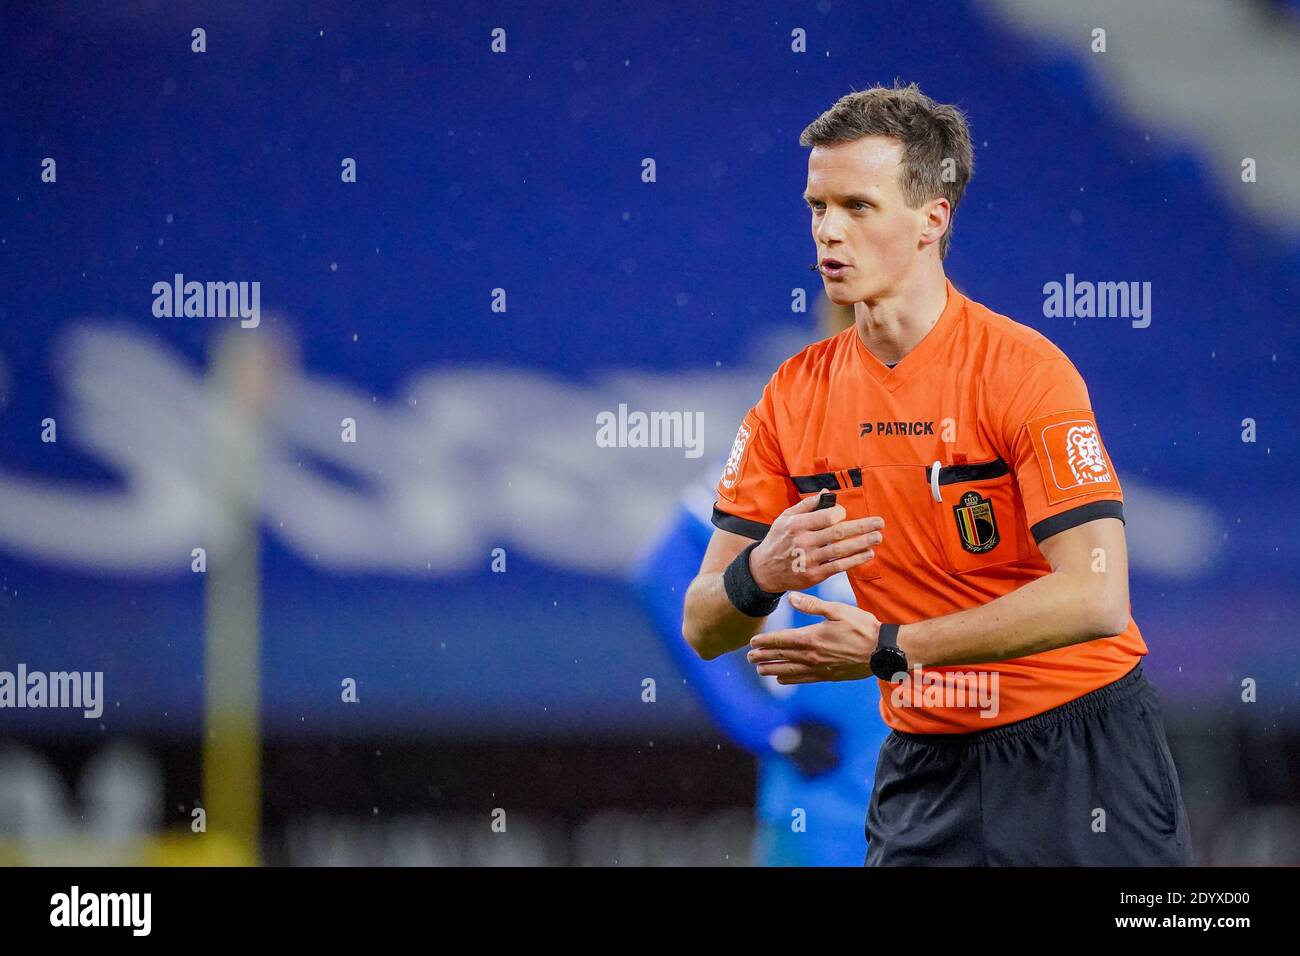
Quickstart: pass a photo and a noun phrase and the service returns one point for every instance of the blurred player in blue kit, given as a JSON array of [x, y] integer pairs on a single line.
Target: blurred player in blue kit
[[816, 744]]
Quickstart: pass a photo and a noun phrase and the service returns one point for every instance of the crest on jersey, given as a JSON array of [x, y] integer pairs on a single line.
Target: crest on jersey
[[976, 524], [731, 470]]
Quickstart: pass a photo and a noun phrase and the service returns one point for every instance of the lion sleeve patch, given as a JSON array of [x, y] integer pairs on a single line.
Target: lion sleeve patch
[[1071, 457]]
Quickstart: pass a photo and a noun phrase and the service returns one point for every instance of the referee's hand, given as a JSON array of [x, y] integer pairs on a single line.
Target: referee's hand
[[834, 649], [804, 546]]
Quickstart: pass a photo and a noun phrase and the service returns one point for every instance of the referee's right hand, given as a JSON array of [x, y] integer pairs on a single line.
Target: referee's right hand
[[805, 546]]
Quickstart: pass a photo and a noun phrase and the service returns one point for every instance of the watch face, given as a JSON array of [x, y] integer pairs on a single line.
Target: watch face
[[888, 661]]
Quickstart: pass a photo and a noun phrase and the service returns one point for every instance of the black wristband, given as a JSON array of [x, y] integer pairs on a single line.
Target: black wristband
[[743, 593]]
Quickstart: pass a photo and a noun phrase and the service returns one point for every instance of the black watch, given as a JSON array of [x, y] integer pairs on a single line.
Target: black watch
[[888, 659]]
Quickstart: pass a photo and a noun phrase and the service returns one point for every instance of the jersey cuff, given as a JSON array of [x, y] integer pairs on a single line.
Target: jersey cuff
[[743, 526], [1068, 519]]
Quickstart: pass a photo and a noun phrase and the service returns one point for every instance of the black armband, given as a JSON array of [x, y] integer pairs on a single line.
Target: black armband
[[745, 595]]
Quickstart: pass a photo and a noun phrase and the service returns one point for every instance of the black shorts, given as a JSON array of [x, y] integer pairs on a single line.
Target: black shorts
[[1088, 783]]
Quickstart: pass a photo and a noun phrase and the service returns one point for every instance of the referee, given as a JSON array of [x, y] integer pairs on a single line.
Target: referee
[[948, 459]]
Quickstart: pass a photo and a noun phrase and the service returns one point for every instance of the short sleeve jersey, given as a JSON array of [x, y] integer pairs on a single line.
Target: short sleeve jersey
[[977, 446]]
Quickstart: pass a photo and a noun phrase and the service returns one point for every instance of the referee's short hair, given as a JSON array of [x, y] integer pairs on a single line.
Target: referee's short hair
[[937, 155]]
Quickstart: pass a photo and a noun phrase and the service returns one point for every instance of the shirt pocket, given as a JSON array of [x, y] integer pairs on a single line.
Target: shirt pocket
[[976, 514], [896, 493]]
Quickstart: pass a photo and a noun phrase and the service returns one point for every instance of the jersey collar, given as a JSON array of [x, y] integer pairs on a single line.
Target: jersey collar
[[925, 350]]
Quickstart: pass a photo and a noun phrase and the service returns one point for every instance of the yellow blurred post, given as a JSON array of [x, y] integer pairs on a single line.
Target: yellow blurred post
[[232, 742]]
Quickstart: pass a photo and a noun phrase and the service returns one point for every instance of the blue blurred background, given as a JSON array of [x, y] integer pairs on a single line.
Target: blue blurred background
[[522, 171]]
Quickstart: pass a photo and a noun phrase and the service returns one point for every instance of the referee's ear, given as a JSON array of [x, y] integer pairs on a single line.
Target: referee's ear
[[938, 216]]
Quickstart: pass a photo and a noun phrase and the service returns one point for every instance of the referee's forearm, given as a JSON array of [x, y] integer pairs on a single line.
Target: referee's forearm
[[711, 624], [1056, 610]]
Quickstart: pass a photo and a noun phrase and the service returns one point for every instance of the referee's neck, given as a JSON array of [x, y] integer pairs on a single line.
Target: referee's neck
[[892, 325]]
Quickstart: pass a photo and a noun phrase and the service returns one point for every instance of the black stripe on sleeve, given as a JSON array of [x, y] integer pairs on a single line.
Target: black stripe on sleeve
[[750, 529], [1075, 517]]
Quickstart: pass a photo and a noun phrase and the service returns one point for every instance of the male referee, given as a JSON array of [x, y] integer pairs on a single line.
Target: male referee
[[979, 519]]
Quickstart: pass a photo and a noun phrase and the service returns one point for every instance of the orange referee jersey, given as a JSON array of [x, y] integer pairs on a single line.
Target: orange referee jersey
[[974, 448]]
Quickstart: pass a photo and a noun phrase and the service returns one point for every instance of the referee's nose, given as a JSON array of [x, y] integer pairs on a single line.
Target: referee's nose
[[828, 230]]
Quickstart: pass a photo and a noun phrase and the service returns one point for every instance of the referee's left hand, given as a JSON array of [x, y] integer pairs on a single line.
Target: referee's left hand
[[838, 648]]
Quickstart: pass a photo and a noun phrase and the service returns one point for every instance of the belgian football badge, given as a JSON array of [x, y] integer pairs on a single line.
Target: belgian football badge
[[975, 523]]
